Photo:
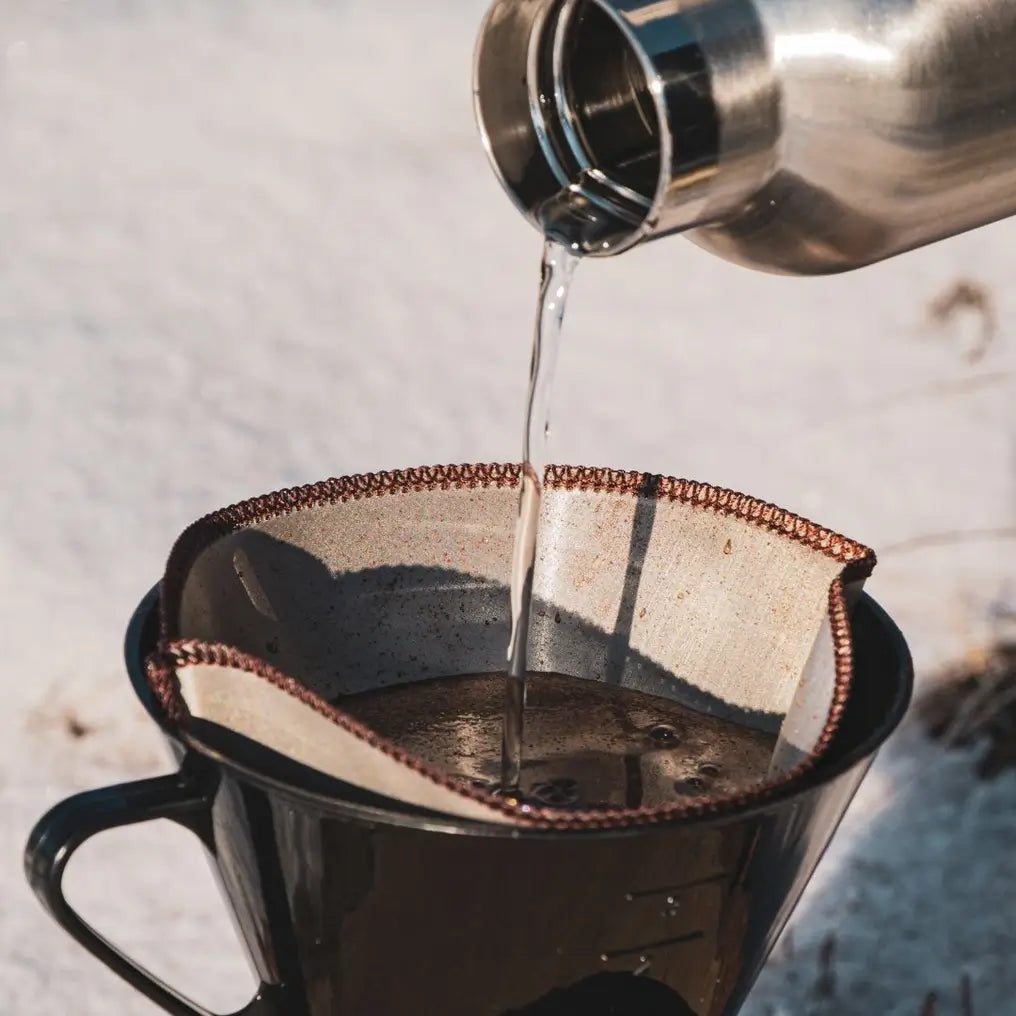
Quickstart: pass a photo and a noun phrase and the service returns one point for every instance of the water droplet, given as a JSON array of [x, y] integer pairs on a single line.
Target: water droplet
[[663, 734]]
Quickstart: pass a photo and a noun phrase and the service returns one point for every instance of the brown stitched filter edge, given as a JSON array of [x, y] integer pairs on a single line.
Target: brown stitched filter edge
[[174, 653]]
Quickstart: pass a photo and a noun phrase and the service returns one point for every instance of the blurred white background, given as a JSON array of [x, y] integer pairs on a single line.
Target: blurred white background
[[254, 244]]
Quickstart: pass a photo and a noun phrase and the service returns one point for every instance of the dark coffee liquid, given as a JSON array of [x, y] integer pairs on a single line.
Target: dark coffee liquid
[[586, 744]]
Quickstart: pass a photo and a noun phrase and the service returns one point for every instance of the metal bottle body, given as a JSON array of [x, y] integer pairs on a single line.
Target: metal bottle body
[[790, 136]]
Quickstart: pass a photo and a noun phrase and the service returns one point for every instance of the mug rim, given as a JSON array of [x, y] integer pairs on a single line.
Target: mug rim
[[142, 634]]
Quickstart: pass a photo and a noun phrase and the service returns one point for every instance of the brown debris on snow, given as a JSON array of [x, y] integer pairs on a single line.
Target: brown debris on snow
[[975, 703]]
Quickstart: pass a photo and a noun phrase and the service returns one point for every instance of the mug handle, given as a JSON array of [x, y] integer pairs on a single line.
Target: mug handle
[[69, 824]]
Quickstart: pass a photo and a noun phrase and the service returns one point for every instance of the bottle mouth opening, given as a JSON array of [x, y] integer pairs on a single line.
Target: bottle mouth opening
[[594, 109], [599, 117]]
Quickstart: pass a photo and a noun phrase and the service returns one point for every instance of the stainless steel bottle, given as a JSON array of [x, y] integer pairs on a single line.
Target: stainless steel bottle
[[794, 136]]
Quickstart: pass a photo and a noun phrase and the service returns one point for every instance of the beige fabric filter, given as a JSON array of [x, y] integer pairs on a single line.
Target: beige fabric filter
[[275, 609]]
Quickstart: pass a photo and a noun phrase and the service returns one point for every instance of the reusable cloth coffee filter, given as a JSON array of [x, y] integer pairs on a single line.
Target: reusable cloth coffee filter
[[276, 609]]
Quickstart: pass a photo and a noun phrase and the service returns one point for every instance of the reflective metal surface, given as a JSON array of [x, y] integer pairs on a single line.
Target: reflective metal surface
[[785, 135], [349, 910]]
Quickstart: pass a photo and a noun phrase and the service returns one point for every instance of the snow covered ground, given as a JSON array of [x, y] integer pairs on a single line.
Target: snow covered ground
[[253, 244]]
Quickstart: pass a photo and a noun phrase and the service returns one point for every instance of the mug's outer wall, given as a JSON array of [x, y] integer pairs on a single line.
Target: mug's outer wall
[[348, 915]]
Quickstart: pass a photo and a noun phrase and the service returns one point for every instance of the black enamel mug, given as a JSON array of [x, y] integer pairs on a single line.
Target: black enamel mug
[[351, 902]]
